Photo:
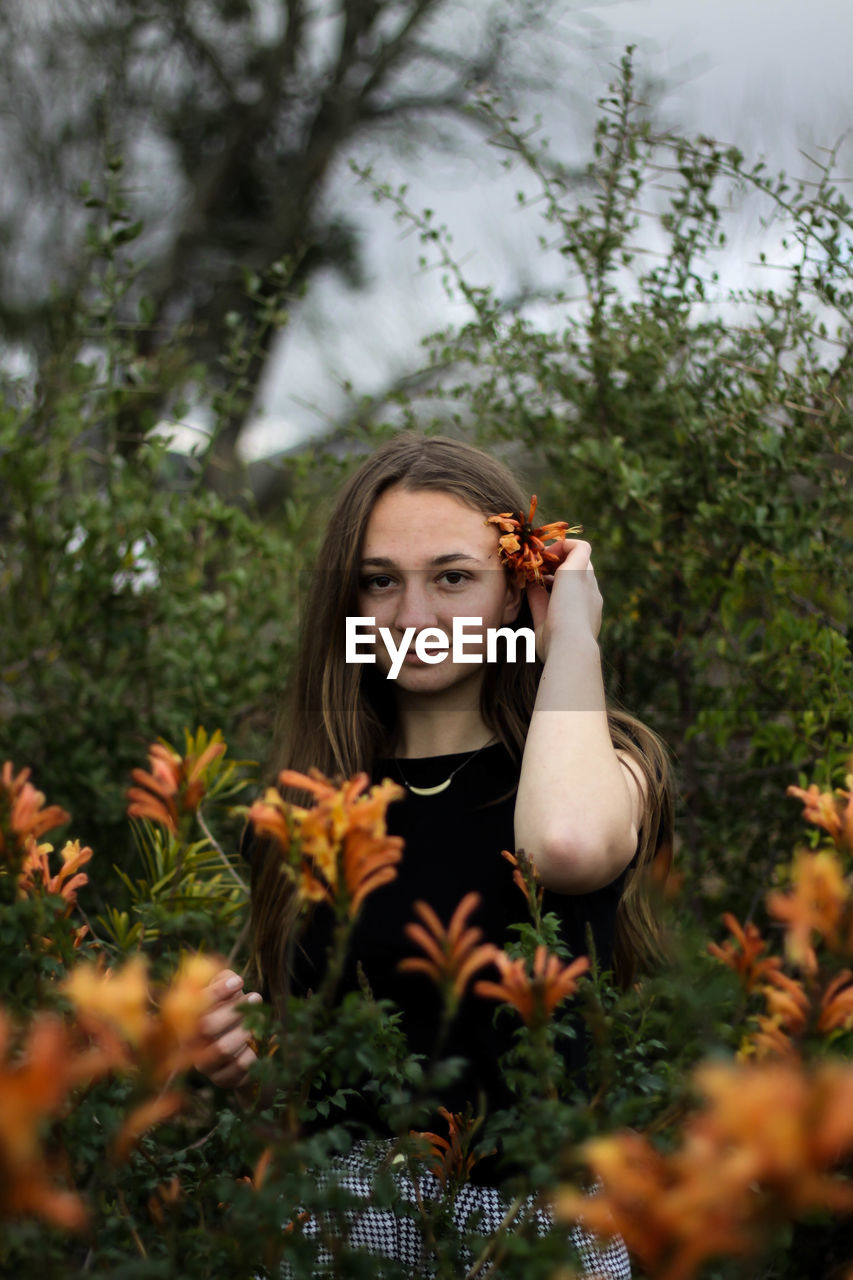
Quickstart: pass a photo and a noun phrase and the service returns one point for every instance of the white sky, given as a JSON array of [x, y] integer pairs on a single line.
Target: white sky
[[772, 76]]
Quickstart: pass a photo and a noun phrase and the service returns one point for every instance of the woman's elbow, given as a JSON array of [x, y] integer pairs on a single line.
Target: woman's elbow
[[583, 861]]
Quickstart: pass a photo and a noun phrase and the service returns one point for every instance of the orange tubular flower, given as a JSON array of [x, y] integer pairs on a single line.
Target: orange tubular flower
[[269, 817], [175, 783], [154, 798], [819, 899], [115, 1007], [745, 962], [22, 812], [33, 1089], [634, 1201], [118, 997], [788, 1012], [766, 1145], [534, 996], [186, 999], [836, 1007], [523, 547], [787, 1002], [369, 862], [769, 1040], [828, 810], [142, 1118], [340, 842], [35, 874], [453, 955], [450, 1159], [516, 862]]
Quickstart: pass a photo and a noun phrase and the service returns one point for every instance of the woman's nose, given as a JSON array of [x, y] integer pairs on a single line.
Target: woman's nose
[[415, 608]]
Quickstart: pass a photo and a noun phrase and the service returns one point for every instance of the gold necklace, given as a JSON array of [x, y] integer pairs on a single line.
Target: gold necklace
[[440, 786]]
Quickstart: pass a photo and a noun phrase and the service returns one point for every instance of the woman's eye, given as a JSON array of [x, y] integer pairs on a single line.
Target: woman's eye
[[378, 582], [454, 577]]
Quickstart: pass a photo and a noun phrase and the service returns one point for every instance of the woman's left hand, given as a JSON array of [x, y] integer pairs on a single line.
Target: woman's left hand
[[571, 613]]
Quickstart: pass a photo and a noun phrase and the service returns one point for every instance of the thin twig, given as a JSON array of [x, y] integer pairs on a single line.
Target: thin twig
[[134, 1233], [241, 938], [223, 855], [491, 1246]]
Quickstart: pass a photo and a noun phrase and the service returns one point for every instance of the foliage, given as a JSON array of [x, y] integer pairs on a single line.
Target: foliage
[[132, 594], [703, 438], [136, 1168]]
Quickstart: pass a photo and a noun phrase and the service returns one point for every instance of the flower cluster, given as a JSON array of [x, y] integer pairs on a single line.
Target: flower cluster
[[117, 1008], [745, 955], [35, 880], [35, 1082], [23, 815], [526, 878], [816, 912], [176, 784], [451, 1158], [35, 875], [339, 847], [832, 811], [117, 1029], [452, 955], [766, 1147], [523, 548], [817, 906], [534, 995]]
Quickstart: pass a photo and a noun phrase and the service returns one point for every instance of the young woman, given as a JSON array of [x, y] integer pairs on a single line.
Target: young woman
[[493, 755]]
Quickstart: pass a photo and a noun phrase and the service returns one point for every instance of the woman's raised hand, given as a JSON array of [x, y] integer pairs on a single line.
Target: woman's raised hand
[[227, 1052], [572, 610]]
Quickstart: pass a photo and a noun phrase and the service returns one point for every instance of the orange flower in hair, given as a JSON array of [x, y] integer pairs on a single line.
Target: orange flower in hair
[[523, 547]]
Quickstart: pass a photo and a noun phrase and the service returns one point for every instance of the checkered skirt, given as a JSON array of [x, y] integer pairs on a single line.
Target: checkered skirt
[[383, 1234]]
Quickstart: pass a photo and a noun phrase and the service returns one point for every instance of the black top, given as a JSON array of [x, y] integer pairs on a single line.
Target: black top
[[453, 843]]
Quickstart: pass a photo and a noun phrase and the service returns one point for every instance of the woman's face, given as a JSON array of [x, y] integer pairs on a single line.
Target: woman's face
[[427, 559]]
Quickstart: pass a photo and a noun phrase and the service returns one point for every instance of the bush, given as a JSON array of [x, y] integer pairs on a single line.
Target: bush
[[703, 438], [138, 1167]]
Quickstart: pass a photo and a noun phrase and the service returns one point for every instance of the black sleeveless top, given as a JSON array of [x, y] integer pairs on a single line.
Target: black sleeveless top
[[453, 843]]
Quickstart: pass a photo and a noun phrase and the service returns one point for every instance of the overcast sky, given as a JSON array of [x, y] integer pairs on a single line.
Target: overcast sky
[[773, 76]]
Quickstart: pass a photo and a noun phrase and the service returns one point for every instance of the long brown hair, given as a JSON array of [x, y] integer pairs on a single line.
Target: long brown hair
[[339, 716]]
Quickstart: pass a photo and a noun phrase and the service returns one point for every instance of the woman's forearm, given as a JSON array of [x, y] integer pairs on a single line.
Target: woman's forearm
[[575, 813]]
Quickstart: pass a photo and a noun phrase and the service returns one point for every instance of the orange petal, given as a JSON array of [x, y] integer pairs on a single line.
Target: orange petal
[[144, 1117]]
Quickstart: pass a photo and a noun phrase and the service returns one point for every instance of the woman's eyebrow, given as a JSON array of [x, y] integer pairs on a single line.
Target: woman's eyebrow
[[385, 562]]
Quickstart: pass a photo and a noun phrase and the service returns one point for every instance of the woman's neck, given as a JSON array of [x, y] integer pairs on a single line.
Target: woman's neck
[[425, 727]]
